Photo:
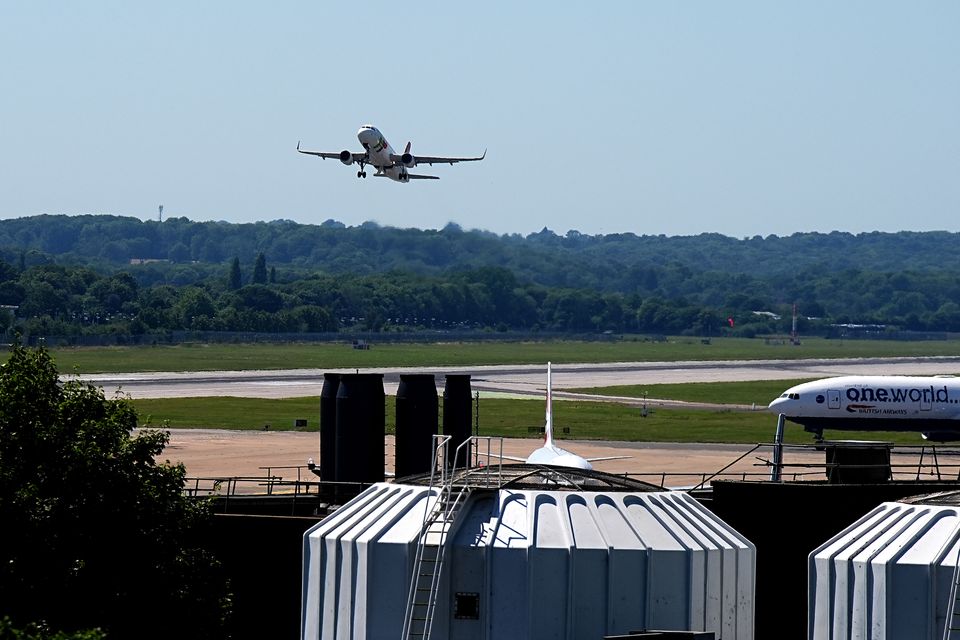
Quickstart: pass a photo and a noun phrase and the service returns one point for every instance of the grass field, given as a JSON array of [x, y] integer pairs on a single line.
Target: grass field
[[760, 392], [229, 413], [503, 417], [210, 357], [506, 417]]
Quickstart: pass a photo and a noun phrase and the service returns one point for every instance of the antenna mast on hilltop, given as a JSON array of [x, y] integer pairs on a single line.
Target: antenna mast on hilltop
[[160, 215]]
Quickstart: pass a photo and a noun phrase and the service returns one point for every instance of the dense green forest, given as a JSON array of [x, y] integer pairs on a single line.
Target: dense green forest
[[73, 275]]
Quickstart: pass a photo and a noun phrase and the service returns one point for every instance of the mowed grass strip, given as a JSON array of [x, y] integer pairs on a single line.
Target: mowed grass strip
[[759, 392], [212, 357], [228, 413], [609, 421], [505, 417]]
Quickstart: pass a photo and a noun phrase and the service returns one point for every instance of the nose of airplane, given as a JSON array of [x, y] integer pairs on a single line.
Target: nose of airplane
[[776, 405], [366, 135]]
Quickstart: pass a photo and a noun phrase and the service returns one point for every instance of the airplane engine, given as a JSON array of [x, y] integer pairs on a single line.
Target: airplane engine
[[408, 160], [346, 157]]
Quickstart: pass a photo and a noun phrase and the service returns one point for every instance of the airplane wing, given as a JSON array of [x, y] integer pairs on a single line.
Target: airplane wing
[[502, 457], [333, 155], [437, 159], [516, 459]]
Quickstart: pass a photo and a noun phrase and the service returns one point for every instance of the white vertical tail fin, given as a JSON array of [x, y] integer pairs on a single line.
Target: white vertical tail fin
[[548, 425], [407, 150]]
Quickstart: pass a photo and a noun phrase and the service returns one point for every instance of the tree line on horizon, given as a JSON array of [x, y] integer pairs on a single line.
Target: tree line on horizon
[[78, 275]]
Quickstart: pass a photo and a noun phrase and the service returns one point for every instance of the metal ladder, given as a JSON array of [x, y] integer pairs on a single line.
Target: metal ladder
[[431, 544]]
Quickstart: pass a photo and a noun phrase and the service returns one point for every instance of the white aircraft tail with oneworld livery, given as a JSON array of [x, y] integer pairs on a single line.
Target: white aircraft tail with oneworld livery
[[929, 405]]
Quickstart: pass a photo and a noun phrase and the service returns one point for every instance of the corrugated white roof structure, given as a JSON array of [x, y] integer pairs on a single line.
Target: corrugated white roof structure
[[530, 563], [888, 575]]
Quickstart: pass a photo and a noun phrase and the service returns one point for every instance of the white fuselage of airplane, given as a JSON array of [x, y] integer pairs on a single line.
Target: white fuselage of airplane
[[927, 404], [380, 153], [551, 454]]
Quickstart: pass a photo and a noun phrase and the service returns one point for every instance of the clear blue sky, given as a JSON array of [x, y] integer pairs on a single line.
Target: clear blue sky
[[742, 118]]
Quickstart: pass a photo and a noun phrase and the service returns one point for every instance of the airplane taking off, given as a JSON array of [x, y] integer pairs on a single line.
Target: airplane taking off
[[551, 454], [380, 155], [927, 404]]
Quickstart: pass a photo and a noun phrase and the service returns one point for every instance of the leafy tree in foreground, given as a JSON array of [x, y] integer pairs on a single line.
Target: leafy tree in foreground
[[97, 534], [34, 631]]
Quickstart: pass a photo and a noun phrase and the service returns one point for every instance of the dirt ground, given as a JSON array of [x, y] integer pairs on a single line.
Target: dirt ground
[[209, 453], [219, 454]]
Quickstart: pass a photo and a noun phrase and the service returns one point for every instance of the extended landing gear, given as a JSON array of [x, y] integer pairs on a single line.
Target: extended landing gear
[[817, 436], [362, 173]]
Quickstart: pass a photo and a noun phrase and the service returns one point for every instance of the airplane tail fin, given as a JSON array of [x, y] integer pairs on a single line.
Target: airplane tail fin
[[548, 425], [407, 148]]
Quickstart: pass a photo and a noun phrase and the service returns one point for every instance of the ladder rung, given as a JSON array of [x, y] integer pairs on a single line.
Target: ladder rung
[[429, 565]]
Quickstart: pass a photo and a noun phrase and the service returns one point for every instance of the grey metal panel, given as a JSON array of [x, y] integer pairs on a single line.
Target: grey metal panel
[[885, 577], [544, 563]]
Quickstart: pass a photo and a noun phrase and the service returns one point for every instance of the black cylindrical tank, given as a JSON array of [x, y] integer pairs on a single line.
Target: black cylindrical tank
[[416, 423], [360, 430], [328, 426], [457, 413]]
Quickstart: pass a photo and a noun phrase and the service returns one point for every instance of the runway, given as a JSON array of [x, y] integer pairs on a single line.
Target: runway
[[519, 380], [222, 453]]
